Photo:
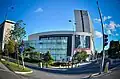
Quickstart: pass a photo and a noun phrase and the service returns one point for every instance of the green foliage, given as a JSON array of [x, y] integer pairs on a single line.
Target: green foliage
[[113, 53], [48, 58], [11, 46], [29, 49], [34, 55], [80, 56], [18, 33], [31, 60], [14, 67], [6, 49]]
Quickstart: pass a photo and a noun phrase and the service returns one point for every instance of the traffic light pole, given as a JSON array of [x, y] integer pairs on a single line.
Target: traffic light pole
[[103, 37]]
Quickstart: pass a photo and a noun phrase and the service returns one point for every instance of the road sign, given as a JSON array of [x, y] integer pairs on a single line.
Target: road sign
[[21, 49]]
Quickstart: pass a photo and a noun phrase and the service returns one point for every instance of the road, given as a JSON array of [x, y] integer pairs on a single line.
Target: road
[[65, 73]]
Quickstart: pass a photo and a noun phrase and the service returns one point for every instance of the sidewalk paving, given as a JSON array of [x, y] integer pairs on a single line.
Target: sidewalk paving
[[5, 73], [115, 74], [3, 67]]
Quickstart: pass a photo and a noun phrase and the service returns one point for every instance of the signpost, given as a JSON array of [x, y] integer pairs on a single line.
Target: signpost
[[105, 39], [21, 53]]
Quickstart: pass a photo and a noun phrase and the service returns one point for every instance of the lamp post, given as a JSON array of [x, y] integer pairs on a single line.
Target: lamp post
[[73, 36], [73, 40]]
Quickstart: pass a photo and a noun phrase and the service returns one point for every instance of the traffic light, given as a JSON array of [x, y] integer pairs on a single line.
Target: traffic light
[[105, 40]]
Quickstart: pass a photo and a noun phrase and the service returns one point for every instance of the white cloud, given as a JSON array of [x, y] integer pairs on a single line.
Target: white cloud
[[98, 34], [106, 18], [97, 20], [101, 14], [39, 10], [109, 17], [117, 25], [105, 25], [108, 32], [117, 34], [112, 25]]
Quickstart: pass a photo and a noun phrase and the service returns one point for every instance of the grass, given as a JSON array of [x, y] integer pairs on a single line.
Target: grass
[[14, 67]]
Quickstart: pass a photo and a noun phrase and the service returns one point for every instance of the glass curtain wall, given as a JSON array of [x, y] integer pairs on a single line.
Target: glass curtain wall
[[56, 45]]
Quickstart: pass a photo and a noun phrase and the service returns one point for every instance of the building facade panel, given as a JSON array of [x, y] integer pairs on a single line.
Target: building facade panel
[[83, 21], [5, 29], [86, 21], [78, 20]]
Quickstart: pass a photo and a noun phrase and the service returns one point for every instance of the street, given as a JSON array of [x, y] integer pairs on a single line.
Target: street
[[56, 73], [66, 73]]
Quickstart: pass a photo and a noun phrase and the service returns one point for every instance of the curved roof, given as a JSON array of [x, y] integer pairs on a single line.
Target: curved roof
[[52, 32], [36, 35]]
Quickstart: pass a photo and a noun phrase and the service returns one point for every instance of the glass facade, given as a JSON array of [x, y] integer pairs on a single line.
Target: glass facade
[[60, 46], [56, 45]]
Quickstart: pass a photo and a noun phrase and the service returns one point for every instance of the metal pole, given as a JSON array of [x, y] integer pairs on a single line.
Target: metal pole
[[103, 37], [73, 40]]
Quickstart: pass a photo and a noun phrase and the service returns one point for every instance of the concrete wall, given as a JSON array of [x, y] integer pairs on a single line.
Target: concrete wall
[[7, 27]]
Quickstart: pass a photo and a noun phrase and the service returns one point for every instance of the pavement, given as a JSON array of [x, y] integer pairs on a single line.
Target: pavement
[[5, 73], [114, 74]]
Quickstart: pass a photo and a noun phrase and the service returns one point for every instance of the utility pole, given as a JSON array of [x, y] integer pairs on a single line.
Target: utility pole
[[103, 37]]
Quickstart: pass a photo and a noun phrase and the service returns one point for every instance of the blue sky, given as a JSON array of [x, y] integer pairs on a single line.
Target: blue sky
[[48, 15]]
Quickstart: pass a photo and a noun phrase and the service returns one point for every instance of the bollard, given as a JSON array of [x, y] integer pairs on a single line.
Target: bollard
[[41, 64], [106, 67]]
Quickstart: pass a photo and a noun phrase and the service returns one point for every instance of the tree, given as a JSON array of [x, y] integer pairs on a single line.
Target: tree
[[6, 49], [80, 56], [48, 58], [17, 34], [30, 49], [11, 45], [113, 53]]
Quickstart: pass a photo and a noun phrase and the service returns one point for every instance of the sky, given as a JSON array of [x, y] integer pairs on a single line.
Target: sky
[[52, 15]]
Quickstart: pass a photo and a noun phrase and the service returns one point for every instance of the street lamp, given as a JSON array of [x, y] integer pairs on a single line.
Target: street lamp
[[73, 39], [73, 36]]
